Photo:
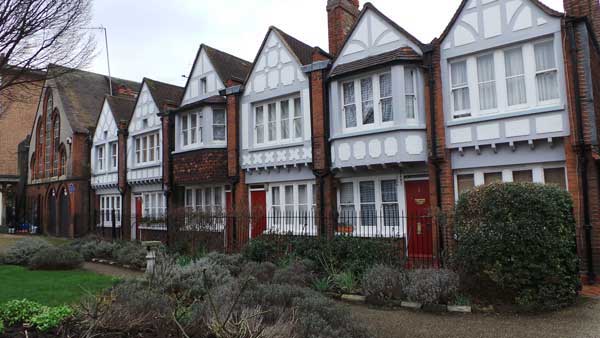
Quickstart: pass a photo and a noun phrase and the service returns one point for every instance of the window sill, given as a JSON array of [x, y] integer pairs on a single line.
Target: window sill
[[406, 127], [276, 146], [507, 114], [146, 165], [202, 147]]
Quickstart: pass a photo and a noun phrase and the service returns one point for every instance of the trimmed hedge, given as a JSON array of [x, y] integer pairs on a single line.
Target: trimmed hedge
[[517, 241], [55, 258]]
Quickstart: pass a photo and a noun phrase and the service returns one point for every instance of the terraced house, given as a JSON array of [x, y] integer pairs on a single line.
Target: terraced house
[[145, 153], [197, 129], [112, 196]]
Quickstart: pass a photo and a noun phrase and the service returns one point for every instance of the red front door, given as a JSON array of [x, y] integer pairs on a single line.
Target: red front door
[[419, 224], [138, 216], [258, 205]]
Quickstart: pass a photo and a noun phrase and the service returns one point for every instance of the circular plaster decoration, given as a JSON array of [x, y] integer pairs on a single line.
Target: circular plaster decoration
[[414, 145], [360, 150], [375, 148], [344, 151], [390, 146]]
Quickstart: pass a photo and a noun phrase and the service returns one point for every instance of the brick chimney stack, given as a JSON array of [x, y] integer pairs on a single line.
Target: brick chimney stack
[[589, 8], [341, 15]]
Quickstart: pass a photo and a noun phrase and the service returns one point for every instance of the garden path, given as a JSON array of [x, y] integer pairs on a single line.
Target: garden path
[[110, 270], [579, 321]]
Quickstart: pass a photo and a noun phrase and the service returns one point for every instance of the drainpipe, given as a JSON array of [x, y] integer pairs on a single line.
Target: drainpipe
[[581, 154]]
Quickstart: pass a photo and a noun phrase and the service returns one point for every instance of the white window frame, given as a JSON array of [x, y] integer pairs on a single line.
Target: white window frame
[[545, 71], [379, 229], [507, 78], [414, 95], [214, 208], [100, 157], [481, 83], [292, 119], [376, 98], [203, 85], [114, 155], [154, 205], [107, 203], [143, 150], [296, 223], [214, 125], [529, 65], [507, 173], [193, 136]]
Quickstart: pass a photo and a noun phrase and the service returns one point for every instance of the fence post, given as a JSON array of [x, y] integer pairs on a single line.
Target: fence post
[[113, 223]]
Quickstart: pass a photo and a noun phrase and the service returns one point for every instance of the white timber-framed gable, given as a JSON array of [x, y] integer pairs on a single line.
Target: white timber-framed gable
[[144, 144], [105, 150], [503, 75], [503, 83], [275, 112], [204, 81], [377, 114], [374, 34]]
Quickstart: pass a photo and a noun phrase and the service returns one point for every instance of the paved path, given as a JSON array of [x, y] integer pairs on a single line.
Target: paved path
[[580, 321], [110, 270]]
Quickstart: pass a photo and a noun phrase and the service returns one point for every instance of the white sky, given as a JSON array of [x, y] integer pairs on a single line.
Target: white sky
[[159, 39]]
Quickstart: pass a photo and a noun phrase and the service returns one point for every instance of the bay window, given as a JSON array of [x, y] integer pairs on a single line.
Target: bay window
[[147, 148], [219, 125], [460, 89], [516, 89], [530, 79], [385, 97], [410, 96], [191, 129], [114, 155], [208, 199], [108, 205], [291, 204], [100, 158], [487, 82], [370, 206], [349, 105], [283, 121], [366, 94], [154, 205], [546, 72]]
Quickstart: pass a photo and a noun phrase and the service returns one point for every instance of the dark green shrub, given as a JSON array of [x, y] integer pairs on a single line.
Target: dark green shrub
[[431, 286], [54, 258], [381, 283], [232, 263], [518, 241], [130, 253], [262, 272], [296, 273], [22, 251], [262, 250]]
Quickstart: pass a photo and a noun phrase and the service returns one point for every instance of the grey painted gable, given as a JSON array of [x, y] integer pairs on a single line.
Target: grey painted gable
[[484, 24], [203, 68], [372, 36], [276, 74]]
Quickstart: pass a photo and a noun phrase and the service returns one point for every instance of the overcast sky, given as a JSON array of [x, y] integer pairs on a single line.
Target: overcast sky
[[159, 39]]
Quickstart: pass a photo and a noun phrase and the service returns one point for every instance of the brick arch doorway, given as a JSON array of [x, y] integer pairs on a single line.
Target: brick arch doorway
[[52, 224], [64, 214]]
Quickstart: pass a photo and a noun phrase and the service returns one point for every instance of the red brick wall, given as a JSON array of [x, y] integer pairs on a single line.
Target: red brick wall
[[589, 8], [200, 166], [18, 107], [341, 15]]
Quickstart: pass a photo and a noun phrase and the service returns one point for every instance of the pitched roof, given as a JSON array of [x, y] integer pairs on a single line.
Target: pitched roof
[[164, 94], [463, 3], [302, 51], [229, 67], [405, 54], [82, 94], [121, 107], [212, 100]]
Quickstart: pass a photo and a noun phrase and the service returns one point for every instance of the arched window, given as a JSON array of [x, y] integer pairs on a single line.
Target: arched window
[[40, 148], [63, 160], [48, 133], [55, 143], [32, 166]]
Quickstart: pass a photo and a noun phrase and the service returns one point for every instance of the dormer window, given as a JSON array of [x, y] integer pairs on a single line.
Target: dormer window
[[203, 86], [385, 97]]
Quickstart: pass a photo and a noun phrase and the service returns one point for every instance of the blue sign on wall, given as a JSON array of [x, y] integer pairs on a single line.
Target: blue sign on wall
[[71, 188]]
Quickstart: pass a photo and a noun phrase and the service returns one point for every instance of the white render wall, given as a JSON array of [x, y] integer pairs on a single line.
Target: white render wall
[[106, 126], [203, 68]]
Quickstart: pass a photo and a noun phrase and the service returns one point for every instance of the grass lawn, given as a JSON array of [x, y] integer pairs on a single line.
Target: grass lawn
[[49, 287]]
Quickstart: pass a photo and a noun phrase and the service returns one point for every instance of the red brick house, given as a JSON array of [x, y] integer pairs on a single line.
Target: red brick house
[[58, 191], [17, 112]]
